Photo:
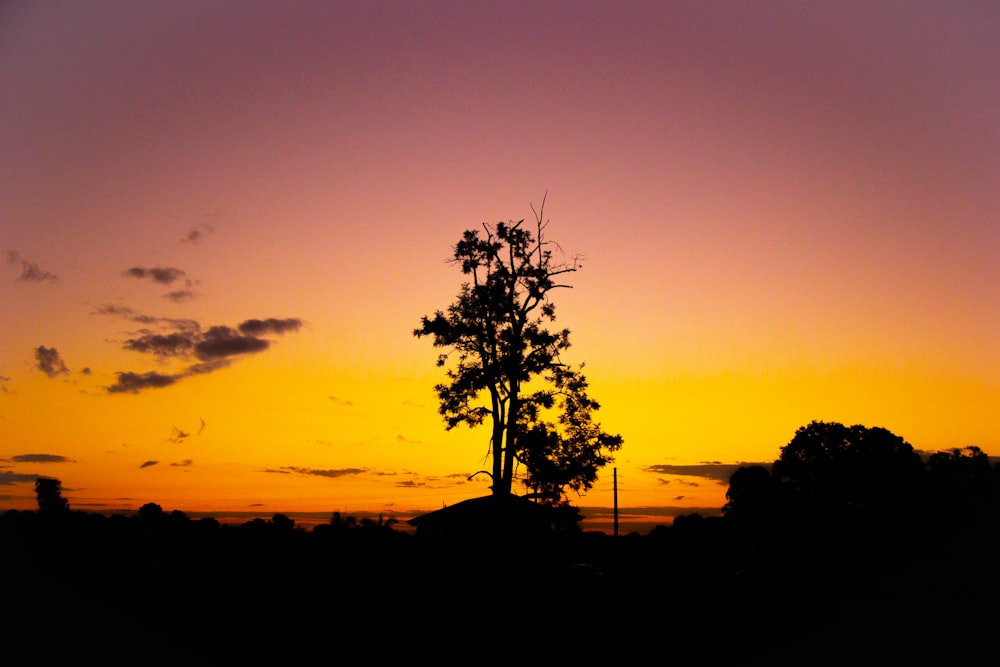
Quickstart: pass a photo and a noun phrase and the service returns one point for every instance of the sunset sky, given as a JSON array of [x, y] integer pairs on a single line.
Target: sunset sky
[[221, 222]]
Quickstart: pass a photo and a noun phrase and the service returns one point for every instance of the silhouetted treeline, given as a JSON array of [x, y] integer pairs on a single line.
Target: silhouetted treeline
[[810, 557]]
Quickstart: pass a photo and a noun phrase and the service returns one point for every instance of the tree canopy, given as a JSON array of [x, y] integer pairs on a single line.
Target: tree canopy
[[503, 362], [828, 464]]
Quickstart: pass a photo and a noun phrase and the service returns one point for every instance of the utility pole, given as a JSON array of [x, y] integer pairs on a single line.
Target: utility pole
[[616, 501]]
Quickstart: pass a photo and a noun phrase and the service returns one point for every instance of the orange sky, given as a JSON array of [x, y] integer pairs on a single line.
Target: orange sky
[[788, 212]]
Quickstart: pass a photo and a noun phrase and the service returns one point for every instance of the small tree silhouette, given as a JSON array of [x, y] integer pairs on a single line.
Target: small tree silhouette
[[48, 491]]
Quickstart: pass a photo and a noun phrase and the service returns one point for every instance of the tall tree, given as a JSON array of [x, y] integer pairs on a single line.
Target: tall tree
[[503, 362]]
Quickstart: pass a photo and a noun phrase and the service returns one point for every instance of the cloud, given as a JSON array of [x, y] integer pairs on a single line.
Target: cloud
[[321, 472], [40, 458], [49, 362], [714, 470], [7, 478], [133, 383], [178, 324], [174, 344], [666, 482], [209, 350], [341, 401], [222, 341], [207, 367], [180, 296], [179, 435], [196, 233], [146, 464], [182, 464], [165, 275], [271, 325], [436, 481], [30, 272]]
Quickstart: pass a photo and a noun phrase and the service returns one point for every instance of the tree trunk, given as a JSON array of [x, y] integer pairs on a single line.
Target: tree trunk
[[510, 443], [497, 445]]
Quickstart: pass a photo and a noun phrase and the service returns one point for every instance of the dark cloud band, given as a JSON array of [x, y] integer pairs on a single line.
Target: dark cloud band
[[271, 325], [165, 275], [133, 383]]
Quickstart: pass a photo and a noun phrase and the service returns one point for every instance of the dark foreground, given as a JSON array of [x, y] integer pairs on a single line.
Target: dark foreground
[[195, 594]]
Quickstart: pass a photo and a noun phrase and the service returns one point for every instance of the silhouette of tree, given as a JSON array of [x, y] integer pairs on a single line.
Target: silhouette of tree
[[752, 493], [830, 465], [150, 512], [340, 523], [569, 453], [504, 363], [283, 522], [960, 480], [48, 492]]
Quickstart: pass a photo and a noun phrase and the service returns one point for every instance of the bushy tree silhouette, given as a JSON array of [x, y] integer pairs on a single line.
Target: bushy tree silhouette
[[503, 362], [48, 492], [752, 493], [830, 465]]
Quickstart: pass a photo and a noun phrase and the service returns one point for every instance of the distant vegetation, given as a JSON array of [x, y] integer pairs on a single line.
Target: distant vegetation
[[845, 516]]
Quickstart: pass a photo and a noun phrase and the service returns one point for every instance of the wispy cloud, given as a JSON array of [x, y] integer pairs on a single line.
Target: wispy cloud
[[48, 360], [195, 234], [130, 314], [40, 458], [30, 271], [342, 401], [7, 478], [434, 481], [713, 470], [319, 472], [180, 296], [179, 435], [166, 275], [147, 464]]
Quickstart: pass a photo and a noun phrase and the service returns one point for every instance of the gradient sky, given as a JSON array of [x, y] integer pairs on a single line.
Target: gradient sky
[[222, 221]]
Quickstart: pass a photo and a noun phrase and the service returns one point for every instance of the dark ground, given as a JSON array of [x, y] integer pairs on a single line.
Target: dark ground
[[142, 599]]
